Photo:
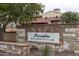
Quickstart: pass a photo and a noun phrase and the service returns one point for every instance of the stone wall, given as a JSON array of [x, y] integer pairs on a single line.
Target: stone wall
[[69, 35], [8, 36], [15, 48]]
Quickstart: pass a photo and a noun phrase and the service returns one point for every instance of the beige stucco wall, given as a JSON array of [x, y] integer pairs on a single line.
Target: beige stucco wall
[[51, 14]]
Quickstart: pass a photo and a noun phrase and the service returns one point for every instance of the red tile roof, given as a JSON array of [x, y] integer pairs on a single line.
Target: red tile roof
[[43, 20], [40, 20]]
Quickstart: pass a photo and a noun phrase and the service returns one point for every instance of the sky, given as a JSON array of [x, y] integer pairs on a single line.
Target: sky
[[63, 5]]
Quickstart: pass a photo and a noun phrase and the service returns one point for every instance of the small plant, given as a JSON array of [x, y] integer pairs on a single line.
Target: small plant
[[46, 51]]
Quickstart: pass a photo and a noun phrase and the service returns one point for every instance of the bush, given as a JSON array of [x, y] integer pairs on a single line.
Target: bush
[[46, 51]]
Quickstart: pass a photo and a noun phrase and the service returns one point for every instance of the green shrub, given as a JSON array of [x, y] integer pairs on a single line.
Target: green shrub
[[46, 51]]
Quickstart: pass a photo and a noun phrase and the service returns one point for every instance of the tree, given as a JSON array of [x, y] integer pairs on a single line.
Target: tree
[[70, 17], [19, 13]]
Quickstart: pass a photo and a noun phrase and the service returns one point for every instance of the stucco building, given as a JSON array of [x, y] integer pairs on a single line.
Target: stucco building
[[50, 17], [54, 13]]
